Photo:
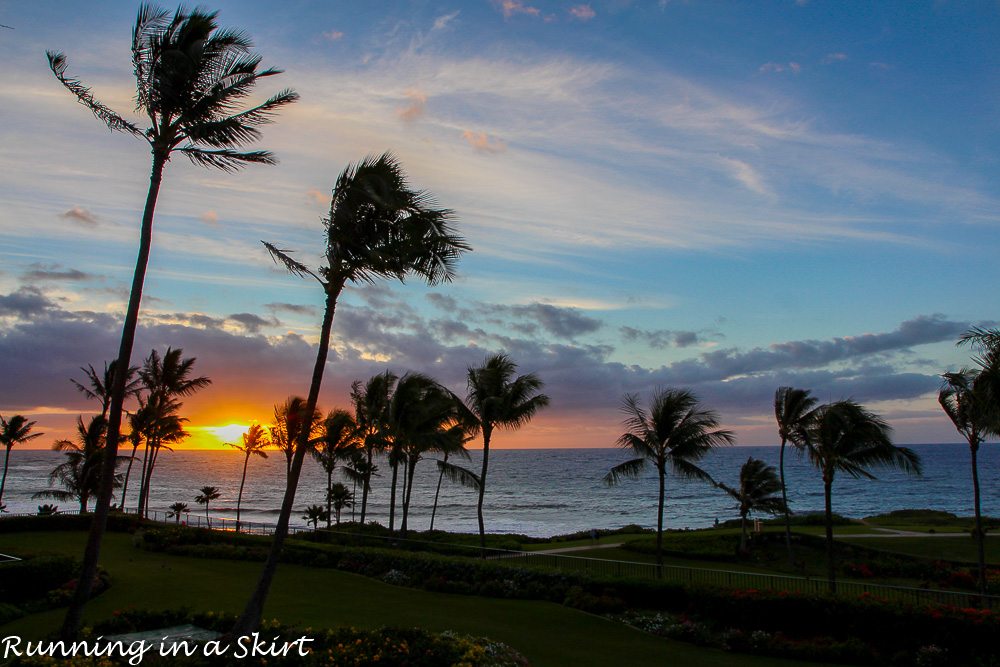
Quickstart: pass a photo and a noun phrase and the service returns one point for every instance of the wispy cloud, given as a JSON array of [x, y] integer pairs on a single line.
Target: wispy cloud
[[483, 142], [834, 58], [415, 109], [511, 7], [442, 22], [772, 67], [80, 215], [333, 35], [210, 217], [582, 12]]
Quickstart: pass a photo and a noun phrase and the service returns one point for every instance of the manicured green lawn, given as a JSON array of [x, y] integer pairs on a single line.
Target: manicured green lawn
[[935, 548], [548, 634]]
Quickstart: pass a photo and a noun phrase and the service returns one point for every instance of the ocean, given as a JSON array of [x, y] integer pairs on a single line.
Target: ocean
[[540, 492]]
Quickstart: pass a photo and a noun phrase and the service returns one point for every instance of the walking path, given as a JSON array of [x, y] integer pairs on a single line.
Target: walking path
[[567, 550]]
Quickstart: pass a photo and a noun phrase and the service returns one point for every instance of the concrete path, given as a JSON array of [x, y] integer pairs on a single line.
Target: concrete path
[[568, 550]]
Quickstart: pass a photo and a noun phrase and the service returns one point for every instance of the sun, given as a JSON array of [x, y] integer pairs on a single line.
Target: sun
[[229, 432]]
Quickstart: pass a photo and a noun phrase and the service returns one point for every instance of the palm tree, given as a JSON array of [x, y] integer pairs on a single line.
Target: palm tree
[[498, 399], [288, 420], [848, 438], [48, 510], [314, 514], [756, 493], [339, 440], [254, 442], [190, 82], [176, 510], [675, 432], [966, 399], [80, 474], [15, 431], [371, 414], [378, 227], [455, 473], [207, 494], [165, 379], [99, 386], [793, 408], [337, 498]]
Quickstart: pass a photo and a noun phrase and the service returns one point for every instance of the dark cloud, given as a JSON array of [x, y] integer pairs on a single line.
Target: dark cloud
[[565, 323], [26, 302], [294, 308], [253, 323], [50, 272], [80, 215], [661, 339]]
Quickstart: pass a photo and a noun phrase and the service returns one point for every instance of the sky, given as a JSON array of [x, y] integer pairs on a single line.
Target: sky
[[719, 196]]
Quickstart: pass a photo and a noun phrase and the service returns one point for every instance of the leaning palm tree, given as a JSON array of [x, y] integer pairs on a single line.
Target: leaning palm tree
[[99, 386], [498, 399], [80, 474], [15, 431], [756, 493], [371, 414], [846, 437], [793, 408], [176, 510], [675, 432], [206, 495], [191, 80], [455, 473], [338, 442], [378, 227], [254, 442]]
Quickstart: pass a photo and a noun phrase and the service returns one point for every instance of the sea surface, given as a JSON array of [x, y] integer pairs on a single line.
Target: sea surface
[[539, 492]]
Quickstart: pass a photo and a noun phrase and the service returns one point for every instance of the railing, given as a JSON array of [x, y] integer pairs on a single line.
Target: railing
[[608, 568]]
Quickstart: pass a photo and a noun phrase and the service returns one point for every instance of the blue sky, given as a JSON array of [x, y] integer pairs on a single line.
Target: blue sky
[[723, 196]]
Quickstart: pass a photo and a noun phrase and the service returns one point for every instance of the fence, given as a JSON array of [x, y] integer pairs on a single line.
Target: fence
[[607, 568]]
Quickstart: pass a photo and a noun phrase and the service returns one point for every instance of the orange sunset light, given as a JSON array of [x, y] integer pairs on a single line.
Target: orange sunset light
[[215, 437]]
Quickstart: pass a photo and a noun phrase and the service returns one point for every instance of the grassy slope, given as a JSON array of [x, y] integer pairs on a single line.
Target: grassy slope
[[548, 634], [944, 548]]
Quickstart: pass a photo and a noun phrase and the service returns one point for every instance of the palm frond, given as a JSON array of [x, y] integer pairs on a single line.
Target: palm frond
[[628, 470], [104, 113], [226, 159], [283, 258], [459, 475]]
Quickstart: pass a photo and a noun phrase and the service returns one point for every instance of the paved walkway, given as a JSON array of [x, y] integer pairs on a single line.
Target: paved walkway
[[569, 550]]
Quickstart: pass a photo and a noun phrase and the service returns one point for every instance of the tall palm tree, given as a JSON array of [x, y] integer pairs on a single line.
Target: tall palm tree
[[254, 442], [846, 437], [288, 420], [165, 380], [793, 408], [338, 441], [15, 431], [99, 386], [371, 414], [176, 510], [498, 399], [675, 432], [986, 343], [378, 227], [191, 80], [80, 474], [756, 493], [206, 495]]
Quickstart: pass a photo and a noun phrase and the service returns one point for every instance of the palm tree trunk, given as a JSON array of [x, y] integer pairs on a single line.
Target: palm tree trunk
[[3, 480], [84, 499], [354, 493], [329, 500], [408, 491], [142, 480], [149, 479], [437, 493], [831, 568], [250, 619], [239, 497], [743, 533], [366, 487], [392, 495], [92, 552], [784, 502], [659, 522], [128, 472], [980, 547], [208, 519], [487, 432]]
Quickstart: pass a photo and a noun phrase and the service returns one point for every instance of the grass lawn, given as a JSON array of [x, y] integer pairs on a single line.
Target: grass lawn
[[934, 548], [548, 634]]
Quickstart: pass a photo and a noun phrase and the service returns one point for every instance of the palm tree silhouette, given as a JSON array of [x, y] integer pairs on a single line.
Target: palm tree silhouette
[[337, 498], [314, 514], [176, 510], [207, 494], [371, 414], [288, 420], [99, 386], [254, 442], [80, 474], [675, 432], [793, 408], [845, 437], [14, 431], [756, 493], [191, 80], [378, 227], [337, 442], [498, 399]]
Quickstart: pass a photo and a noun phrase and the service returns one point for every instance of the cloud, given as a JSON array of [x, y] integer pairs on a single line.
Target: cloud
[[582, 12], [318, 197], [253, 323], [881, 66], [511, 7], [415, 109], [25, 303], [49, 272], [294, 308], [80, 215], [662, 338], [483, 142], [747, 175], [773, 67], [834, 58], [210, 217], [333, 35], [441, 22]]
